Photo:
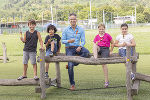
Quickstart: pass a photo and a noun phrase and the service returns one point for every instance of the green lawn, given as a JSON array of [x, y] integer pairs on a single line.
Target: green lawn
[[86, 76]]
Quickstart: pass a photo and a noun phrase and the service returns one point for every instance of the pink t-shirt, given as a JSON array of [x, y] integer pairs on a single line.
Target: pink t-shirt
[[103, 41]]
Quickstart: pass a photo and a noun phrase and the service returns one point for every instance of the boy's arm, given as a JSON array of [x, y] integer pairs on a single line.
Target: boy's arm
[[40, 39], [23, 39]]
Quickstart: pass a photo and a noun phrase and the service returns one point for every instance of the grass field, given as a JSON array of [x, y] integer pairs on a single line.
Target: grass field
[[86, 76]]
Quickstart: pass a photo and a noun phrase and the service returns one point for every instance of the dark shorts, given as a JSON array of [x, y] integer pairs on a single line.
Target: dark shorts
[[104, 52]]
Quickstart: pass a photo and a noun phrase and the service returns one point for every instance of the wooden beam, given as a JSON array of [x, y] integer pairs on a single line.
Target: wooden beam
[[142, 77], [128, 73], [23, 82], [82, 60], [91, 54], [58, 76], [135, 87], [4, 52], [1, 58], [42, 74]]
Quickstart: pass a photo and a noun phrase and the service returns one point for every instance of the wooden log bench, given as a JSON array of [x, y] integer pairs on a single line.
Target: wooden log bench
[[130, 62]]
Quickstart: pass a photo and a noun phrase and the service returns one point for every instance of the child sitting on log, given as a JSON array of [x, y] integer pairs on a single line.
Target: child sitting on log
[[124, 39], [52, 43], [101, 47]]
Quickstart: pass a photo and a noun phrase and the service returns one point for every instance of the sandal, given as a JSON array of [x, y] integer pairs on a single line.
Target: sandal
[[21, 77], [106, 84], [36, 78]]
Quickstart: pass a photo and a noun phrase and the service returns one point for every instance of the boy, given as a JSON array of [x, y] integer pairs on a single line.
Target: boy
[[30, 39], [52, 43]]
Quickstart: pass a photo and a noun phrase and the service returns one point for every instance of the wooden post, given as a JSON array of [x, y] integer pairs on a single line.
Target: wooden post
[[4, 52], [58, 76], [128, 73], [136, 83], [134, 64], [42, 73]]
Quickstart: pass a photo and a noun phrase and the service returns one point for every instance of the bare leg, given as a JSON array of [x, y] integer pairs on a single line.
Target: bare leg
[[47, 67], [105, 70], [95, 50], [25, 70], [52, 46], [35, 69]]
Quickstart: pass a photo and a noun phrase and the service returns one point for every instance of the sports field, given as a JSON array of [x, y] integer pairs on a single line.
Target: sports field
[[86, 76]]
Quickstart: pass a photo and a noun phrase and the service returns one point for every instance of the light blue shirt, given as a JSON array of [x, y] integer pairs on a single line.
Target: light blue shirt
[[78, 35]]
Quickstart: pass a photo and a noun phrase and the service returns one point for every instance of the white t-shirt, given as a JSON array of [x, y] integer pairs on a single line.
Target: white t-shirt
[[127, 39]]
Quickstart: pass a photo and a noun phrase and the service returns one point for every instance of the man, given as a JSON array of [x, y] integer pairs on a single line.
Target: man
[[71, 37]]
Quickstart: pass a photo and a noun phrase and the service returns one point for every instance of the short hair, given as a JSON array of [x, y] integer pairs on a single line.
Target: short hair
[[101, 24], [31, 21], [124, 24], [72, 14], [51, 27]]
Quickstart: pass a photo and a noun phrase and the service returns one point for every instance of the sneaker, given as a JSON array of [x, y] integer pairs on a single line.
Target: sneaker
[[21, 77], [132, 76], [66, 66], [51, 54], [72, 88], [46, 75], [36, 78], [106, 84]]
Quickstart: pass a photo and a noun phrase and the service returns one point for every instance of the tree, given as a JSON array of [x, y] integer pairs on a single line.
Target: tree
[[140, 18], [147, 15]]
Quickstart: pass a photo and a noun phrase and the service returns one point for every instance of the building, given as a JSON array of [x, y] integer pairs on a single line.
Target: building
[[124, 19]]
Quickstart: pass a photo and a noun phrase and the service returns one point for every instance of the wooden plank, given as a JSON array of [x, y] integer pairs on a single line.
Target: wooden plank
[[42, 73], [134, 63], [128, 73], [82, 60], [58, 76], [91, 54], [142, 77], [15, 82], [23, 82], [135, 87], [1, 58]]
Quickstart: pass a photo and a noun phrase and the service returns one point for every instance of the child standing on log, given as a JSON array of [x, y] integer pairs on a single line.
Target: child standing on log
[[124, 39], [30, 39], [101, 47], [52, 43]]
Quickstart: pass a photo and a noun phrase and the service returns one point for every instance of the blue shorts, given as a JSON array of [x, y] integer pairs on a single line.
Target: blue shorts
[[49, 50], [104, 52]]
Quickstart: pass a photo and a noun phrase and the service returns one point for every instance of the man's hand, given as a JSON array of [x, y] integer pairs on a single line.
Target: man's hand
[[78, 49], [71, 41]]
